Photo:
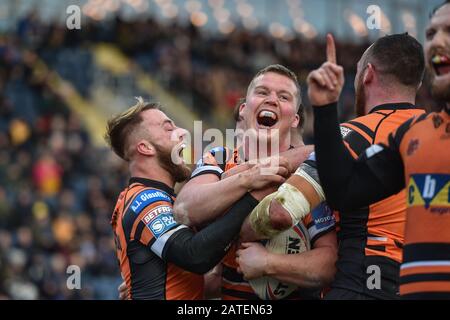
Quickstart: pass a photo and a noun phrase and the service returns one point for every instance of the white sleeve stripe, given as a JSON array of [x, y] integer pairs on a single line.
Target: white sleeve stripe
[[206, 168], [373, 150], [158, 246]]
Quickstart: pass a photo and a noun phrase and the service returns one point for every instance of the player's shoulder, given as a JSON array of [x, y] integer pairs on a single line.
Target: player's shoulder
[[310, 161], [216, 156], [409, 124], [213, 161]]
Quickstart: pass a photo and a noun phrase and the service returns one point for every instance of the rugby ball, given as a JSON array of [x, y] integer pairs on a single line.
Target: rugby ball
[[292, 241]]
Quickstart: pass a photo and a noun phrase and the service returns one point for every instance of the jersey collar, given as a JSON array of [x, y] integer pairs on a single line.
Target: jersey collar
[[394, 106], [152, 183]]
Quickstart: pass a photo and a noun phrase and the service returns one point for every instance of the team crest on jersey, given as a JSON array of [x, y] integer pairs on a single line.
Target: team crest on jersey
[[162, 224], [430, 190]]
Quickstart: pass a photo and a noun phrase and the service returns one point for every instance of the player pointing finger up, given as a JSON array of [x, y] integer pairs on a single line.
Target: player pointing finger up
[[325, 84]]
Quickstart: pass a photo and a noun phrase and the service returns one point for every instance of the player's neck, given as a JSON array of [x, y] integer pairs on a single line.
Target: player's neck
[[377, 101], [151, 170]]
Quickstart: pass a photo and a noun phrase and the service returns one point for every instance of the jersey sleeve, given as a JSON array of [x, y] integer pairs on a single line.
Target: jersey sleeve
[[319, 222], [212, 162], [385, 161], [155, 222]]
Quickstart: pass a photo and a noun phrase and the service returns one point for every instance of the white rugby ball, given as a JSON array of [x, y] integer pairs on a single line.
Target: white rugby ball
[[292, 241]]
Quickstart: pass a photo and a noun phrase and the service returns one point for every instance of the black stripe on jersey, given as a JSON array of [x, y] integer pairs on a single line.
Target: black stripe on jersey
[[427, 296], [426, 251], [377, 248], [379, 124], [232, 275], [139, 229], [363, 127], [239, 294], [357, 142], [127, 223], [398, 244], [402, 129], [393, 106], [420, 277]]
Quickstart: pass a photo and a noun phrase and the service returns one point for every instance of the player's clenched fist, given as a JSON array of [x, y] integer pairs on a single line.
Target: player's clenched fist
[[325, 84]]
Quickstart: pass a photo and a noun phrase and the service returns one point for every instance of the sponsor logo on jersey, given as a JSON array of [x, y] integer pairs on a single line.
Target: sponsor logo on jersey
[[345, 131], [323, 216], [429, 190], [147, 197], [161, 224], [152, 214]]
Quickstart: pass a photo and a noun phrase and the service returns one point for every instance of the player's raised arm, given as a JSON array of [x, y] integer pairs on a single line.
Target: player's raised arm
[[325, 84], [348, 183]]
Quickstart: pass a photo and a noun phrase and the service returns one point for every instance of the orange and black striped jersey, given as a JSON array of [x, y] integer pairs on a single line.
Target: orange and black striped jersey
[[424, 145], [142, 223], [319, 222], [372, 235], [416, 156]]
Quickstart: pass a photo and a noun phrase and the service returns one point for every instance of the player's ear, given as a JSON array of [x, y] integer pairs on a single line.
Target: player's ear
[[241, 108], [296, 121], [369, 73], [419, 85], [145, 148]]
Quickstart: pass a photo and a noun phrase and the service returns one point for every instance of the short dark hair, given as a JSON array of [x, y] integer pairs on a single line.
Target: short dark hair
[[398, 55], [121, 125], [438, 7]]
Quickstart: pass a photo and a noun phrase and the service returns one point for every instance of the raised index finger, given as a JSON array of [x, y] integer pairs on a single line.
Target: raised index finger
[[331, 49]]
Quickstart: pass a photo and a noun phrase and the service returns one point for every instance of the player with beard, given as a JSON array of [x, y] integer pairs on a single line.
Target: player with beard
[[416, 156], [370, 235], [388, 76], [158, 257]]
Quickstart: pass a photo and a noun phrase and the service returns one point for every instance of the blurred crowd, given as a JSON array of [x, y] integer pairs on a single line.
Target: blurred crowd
[[57, 190]]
